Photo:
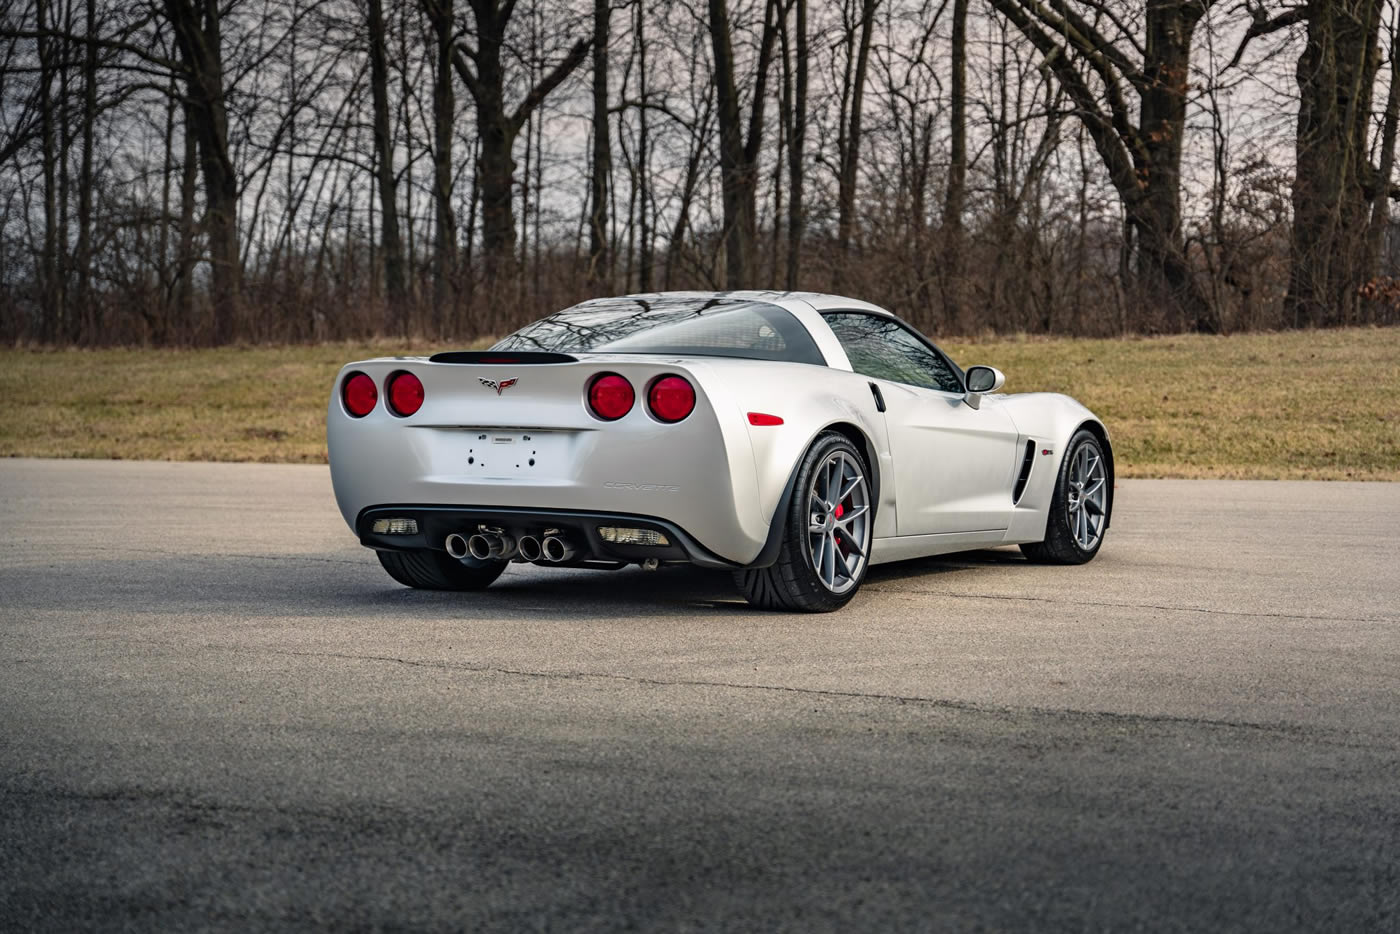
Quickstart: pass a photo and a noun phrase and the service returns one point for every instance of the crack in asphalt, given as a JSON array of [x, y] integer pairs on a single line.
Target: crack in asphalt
[[1130, 606], [1280, 729]]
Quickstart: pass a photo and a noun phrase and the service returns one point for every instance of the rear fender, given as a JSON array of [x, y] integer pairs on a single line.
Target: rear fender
[[809, 401]]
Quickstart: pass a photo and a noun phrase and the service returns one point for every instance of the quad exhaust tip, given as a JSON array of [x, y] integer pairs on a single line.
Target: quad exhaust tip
[[488, 546], [494, 546], [556, 548]]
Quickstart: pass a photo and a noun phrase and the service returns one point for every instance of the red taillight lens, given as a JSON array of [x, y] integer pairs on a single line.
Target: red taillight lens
[[671, 398], [610, 396], [359, 395], [405, 393]]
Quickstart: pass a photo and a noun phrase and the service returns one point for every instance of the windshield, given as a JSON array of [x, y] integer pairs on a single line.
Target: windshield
[[706, 326]]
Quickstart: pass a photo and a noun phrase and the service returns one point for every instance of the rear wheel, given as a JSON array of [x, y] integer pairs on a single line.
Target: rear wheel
[[437, 570], [826, 535], [1079, 513]]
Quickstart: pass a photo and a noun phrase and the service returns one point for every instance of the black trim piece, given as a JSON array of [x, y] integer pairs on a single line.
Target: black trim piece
[[774, 543], [504, 357], [437, 522], [1024, 477], [879, 397]]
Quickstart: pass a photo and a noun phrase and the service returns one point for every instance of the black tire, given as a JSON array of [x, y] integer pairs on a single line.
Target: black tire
[[792, 583], [437, 570], [1060, 545]]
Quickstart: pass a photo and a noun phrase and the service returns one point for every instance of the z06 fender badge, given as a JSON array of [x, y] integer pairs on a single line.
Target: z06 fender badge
[[500, 387]]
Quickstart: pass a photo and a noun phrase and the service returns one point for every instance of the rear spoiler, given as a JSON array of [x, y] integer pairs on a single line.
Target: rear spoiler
[[501, 356]]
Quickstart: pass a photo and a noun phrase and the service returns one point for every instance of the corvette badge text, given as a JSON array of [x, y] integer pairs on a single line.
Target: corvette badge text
[[641, 487]]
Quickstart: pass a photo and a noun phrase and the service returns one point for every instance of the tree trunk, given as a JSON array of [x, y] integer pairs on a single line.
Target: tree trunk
[[1336, 72], [444, 114], [1380, 198], [1162, 266], [197, 31], [497, 129], [794, 104], [599, 261], [87, 308], [648, 203], [953, 205], [1142, 162], [850, 137], [48, 264], [186, 259], [395, 288], [738, 157]]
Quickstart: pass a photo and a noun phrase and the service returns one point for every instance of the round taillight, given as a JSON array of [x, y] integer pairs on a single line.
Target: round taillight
[[610, 396], [359, 395], [405, 393], [671, 398]]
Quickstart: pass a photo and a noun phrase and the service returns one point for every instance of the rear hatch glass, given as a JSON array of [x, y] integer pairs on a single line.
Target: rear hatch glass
[[710, 326]]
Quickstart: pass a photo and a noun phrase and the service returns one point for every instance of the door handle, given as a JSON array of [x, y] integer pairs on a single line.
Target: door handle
[[879, 397]]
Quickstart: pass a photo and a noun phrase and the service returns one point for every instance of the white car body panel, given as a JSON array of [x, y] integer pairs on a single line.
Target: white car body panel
[[942, 471]]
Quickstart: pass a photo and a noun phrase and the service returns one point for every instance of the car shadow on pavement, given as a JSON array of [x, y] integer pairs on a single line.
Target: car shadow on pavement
[[345, 586]]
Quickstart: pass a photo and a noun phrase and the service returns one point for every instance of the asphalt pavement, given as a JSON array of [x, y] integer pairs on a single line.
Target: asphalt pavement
[[218, 713]]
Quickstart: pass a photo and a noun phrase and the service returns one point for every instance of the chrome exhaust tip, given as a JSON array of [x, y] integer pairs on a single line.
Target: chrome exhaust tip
[[457, 546], [556, 549], [488, 546], [529, 548]]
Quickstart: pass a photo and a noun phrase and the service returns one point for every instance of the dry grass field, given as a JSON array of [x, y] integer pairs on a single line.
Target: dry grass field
[[1313, 404]]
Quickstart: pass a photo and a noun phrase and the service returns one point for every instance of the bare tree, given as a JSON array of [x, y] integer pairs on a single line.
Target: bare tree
[[856, 40], [793, 105], [196, 25], [738, 151], [482, 69], [444, 116], [599, 259], [395, 287], [1142, 157]]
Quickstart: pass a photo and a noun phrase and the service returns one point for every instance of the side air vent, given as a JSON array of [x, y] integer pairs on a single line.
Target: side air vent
[[511, 357], [1025, 474]]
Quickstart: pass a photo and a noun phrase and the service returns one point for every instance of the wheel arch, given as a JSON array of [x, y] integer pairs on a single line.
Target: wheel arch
[[864, 446]]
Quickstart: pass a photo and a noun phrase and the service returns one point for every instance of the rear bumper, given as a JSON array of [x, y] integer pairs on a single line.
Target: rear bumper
[[435, 523]]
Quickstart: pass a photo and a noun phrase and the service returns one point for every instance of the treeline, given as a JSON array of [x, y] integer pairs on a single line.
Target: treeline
[[196, 171]]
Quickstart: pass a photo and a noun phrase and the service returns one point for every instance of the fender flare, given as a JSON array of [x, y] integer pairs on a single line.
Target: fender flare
[[768, 555]]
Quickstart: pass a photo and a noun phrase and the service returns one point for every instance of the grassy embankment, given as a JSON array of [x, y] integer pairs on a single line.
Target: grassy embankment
[[1323, 405]]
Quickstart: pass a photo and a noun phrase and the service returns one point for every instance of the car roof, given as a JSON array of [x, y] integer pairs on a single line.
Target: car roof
[[821, 301]]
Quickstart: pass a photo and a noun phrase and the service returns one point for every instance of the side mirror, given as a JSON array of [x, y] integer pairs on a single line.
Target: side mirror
[[982, 379]]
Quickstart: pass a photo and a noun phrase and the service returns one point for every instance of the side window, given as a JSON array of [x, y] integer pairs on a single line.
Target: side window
[[886, 349]]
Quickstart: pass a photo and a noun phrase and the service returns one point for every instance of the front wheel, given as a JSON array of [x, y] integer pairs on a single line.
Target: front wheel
[[1079, 513], [826, 536], [437, 570]]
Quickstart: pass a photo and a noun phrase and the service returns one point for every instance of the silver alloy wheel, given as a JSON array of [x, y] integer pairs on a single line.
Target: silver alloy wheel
[[1087, 493], [839, 522]]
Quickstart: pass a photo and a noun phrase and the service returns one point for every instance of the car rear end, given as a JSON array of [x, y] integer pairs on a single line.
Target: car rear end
[[544, 456]]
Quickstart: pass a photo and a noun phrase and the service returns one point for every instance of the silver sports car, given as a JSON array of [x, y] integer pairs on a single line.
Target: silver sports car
[[792, 438]]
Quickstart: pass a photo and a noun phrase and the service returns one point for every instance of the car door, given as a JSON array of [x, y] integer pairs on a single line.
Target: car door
[[954, 465]]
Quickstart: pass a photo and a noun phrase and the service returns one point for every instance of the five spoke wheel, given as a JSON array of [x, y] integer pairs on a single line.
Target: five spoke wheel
[[1086, 499], [1083, 499], [839, 522], [827, 524]]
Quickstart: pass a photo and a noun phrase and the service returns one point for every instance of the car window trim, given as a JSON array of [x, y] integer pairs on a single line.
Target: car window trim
[[899, 322]]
